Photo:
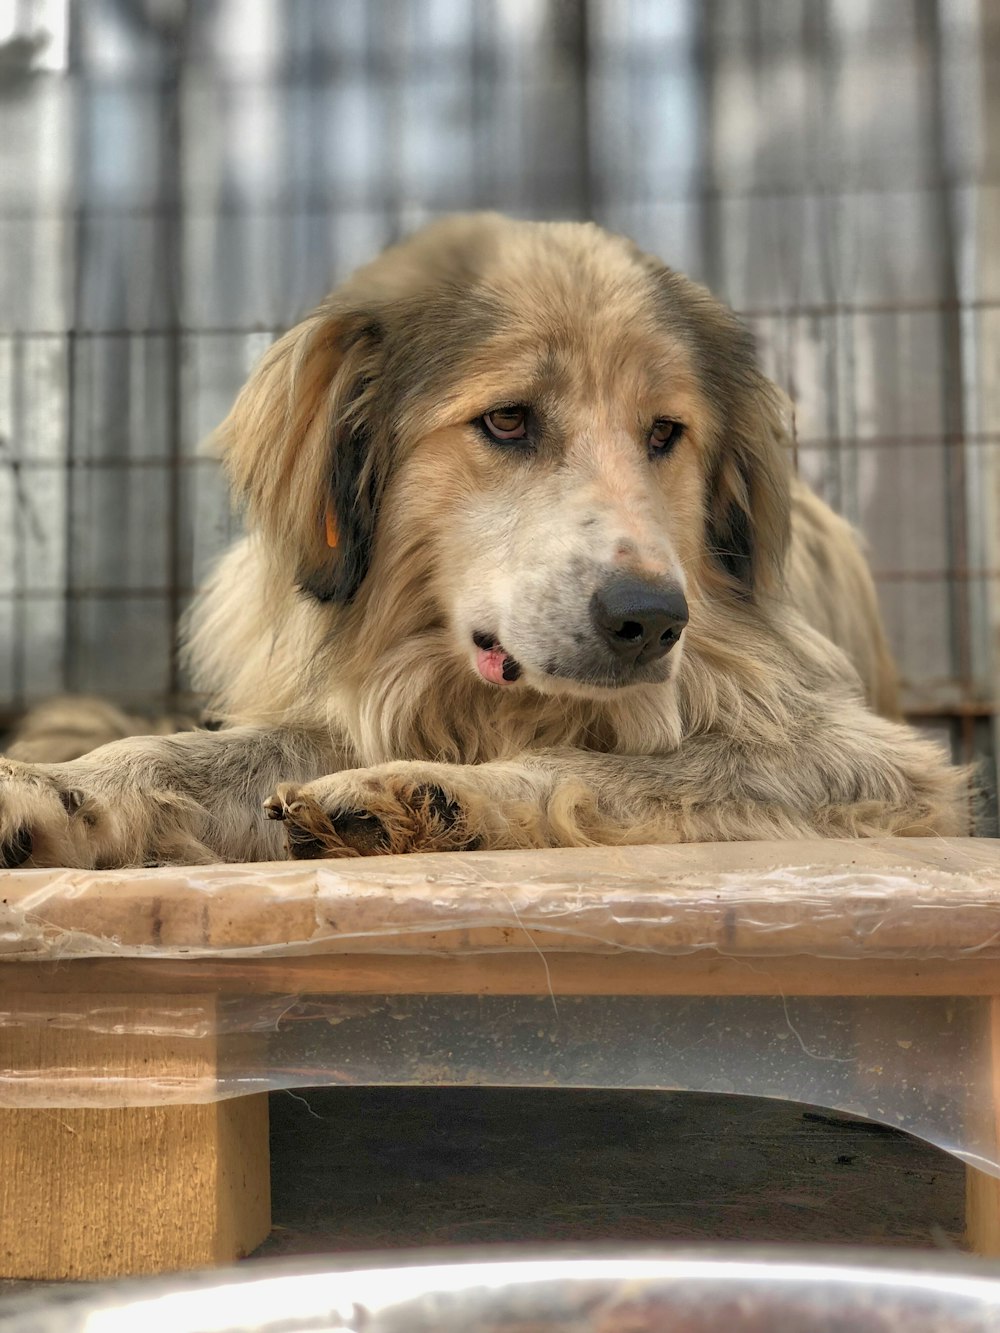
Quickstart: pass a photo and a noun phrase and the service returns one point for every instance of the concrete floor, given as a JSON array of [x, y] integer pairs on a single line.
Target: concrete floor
[[373, 1168], [386, 1168]]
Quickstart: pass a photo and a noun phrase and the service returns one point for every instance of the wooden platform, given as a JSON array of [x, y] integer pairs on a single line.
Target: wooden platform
[[117, 990]]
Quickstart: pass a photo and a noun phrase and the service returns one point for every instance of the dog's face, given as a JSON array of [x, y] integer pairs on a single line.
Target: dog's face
[[565, 494], [558, 446]]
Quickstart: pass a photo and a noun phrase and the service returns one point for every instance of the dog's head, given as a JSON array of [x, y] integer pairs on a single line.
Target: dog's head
[[529, 439]]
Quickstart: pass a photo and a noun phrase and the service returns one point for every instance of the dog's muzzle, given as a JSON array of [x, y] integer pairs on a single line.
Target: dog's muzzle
[[639, 620]]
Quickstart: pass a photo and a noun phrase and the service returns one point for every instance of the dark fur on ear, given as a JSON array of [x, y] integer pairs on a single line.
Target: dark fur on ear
[[301, 439], [353, 496], [748, 518]]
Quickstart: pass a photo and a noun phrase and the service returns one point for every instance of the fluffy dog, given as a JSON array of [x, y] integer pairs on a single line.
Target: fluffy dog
[[518, 574], [72, 725]]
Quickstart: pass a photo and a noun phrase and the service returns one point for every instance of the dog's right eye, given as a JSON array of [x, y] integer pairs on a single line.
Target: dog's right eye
[[506, 423]]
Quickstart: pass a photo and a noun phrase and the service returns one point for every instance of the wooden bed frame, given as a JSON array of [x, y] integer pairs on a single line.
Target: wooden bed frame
[[93, 1184]]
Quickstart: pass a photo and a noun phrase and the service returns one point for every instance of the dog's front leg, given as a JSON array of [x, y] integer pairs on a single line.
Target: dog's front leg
[[416, 807], [877, 779], [552, 798], [555, 798], [185, 799]]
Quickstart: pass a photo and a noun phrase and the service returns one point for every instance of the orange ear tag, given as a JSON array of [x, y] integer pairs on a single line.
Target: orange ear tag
[[331, 528]]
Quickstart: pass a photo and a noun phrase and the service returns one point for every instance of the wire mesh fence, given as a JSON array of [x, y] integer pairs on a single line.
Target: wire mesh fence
[[181, 180]]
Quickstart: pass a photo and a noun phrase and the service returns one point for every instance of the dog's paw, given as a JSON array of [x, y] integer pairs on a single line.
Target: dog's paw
[[373, 811], [44, 821]]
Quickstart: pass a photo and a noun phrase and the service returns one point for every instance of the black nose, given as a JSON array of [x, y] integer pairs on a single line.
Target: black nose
[[639, 620]]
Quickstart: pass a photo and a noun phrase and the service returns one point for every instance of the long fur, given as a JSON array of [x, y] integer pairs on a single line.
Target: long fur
[[347, 674], [69, 726], [828, 579]]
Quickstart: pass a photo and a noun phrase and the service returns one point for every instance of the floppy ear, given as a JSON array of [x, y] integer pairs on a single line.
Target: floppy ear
[[749, 499], [302, 451], [749, 480]]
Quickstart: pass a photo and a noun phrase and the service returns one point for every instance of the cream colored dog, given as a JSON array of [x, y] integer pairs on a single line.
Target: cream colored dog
[[519, 574]]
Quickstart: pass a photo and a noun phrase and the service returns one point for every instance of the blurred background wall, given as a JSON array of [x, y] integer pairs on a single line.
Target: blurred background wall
[[180, 179]]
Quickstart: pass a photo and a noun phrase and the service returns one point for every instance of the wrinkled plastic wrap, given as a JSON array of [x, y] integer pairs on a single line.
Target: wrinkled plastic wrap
[[888, 897], [861, 976]]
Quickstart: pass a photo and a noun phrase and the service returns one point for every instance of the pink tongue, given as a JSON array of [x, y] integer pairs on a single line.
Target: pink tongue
[[490, 663]]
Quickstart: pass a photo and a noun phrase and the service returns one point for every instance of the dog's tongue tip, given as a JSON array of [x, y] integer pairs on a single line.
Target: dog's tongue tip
[[496, 666]]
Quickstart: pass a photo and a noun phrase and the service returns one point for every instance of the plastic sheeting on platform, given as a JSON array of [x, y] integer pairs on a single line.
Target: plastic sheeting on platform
[[861, 976], [879, 898]]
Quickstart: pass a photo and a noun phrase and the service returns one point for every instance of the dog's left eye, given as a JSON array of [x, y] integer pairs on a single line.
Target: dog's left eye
[[506, 423], [663, 437]]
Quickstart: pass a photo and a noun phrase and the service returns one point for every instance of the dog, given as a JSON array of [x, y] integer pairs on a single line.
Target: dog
[[526, 566], [72, 725]]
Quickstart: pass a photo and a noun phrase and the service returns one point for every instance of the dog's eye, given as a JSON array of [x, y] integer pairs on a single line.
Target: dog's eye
[[663, 437], [507, 423]]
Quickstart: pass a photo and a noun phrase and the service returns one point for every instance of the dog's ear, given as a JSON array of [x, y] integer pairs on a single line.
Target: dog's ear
[[749, 499], [749, 480], [304, 454]]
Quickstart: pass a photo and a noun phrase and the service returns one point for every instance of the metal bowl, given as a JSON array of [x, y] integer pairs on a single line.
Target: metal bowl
[[731, 1290]]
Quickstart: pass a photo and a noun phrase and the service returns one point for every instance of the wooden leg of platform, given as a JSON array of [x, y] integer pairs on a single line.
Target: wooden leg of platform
[[982, 1191], [982, 1212], [106, 1191]]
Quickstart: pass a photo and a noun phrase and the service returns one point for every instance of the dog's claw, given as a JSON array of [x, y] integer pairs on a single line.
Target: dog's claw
[[274, 808]]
